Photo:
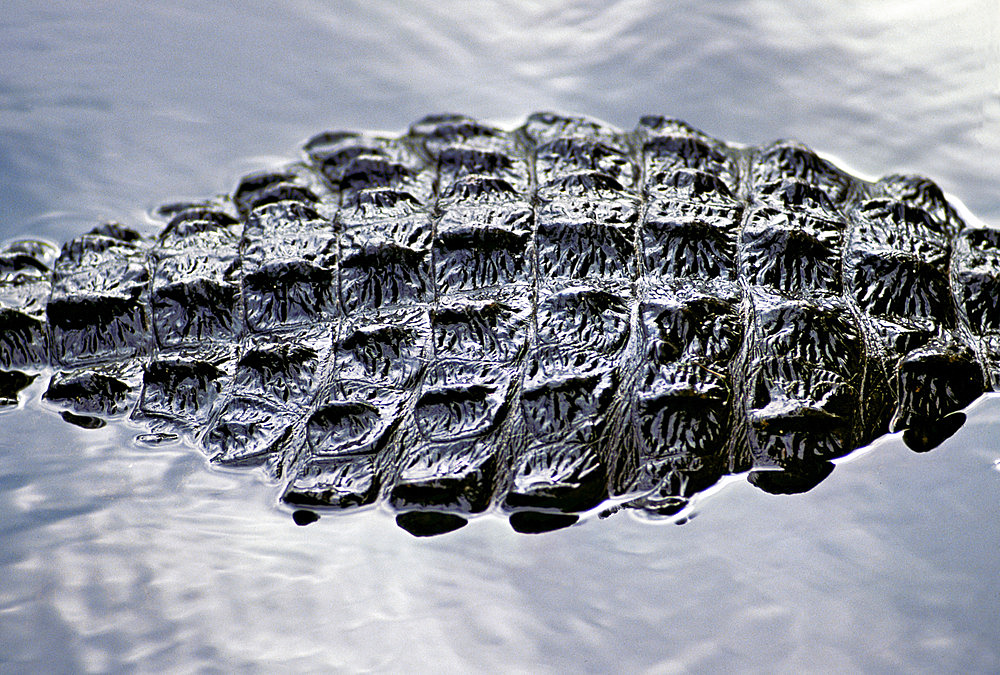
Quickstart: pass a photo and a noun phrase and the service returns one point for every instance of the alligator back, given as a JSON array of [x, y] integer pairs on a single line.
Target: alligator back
[[538, 320]]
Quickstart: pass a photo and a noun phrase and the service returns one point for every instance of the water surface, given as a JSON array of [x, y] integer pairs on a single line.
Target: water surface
[[116, 556]]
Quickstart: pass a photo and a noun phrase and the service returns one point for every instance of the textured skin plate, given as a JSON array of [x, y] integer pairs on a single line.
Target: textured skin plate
[[535, 320]]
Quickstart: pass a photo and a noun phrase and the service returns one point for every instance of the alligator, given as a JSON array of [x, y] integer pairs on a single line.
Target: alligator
[[543, 322]]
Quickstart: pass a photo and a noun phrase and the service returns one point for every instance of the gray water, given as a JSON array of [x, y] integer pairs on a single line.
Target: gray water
[[120, 557]]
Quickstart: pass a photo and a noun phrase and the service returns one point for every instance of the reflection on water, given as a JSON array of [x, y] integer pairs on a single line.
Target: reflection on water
[[116, 556]]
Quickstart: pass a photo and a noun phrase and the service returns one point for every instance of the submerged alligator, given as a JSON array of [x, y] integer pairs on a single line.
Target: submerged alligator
[[542, 321]]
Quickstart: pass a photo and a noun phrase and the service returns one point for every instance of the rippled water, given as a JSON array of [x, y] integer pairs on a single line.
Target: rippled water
[[117, 557]]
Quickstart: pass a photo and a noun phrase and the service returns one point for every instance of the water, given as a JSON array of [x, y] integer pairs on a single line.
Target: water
[[119, 557]]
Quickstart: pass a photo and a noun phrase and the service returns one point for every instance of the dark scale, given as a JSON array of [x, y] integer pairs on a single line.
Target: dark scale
[[195, 294], [467, 318], [25, 287]]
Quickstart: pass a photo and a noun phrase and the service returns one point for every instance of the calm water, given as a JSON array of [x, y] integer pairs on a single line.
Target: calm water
[[116, 557]]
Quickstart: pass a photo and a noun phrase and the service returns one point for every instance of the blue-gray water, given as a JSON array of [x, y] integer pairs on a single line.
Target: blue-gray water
[[117, 557]]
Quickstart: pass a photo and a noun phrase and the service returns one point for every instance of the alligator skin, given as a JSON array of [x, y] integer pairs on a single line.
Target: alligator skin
[[540, 322]]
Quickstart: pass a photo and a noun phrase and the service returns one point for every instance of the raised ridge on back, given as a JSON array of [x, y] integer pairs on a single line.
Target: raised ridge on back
[[544, 321]]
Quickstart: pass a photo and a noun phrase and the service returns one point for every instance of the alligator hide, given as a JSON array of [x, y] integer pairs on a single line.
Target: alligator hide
[[542, 322]]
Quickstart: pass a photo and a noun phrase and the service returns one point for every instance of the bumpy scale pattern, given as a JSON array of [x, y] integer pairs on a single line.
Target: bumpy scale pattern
[[539, 320]]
